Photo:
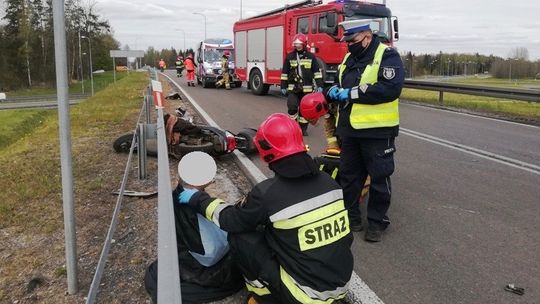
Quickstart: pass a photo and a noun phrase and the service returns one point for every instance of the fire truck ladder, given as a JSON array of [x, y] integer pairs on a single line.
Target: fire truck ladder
[[289, 7]]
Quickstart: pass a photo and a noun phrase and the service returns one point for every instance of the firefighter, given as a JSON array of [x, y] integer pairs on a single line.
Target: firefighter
[[162, 64], [369, 83], [224, 71], [290, 236], [299, 75], [190, 70], [179, 65]]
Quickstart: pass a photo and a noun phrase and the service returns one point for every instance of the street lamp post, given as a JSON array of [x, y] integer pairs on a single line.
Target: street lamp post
[[90, 58], [184, 32], [80, 64], [204, 23]]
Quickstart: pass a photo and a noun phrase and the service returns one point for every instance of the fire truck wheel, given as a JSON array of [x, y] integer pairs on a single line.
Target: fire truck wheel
[[256, 83]]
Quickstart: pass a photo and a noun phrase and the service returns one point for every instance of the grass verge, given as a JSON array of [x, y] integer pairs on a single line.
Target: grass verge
[[101, 81], [17, 123], [514, 108], [31, 222]]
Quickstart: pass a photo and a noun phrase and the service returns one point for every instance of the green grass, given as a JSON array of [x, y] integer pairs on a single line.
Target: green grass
[[526, 83], [523, 109], [29, 160], [15, 124], [101, 81]]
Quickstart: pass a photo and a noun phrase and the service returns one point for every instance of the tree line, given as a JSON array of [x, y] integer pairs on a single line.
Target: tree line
[[27, 42], [517, 65], [153, 56]]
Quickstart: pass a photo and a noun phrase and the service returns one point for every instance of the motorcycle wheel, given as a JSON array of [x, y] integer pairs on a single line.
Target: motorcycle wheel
[[250, 147], [123, 143]]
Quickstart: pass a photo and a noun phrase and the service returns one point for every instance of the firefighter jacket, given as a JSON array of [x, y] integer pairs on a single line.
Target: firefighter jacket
[[179, 64], [224, 65], [300, 72], [375, 79], [305, 222], [190, 64]]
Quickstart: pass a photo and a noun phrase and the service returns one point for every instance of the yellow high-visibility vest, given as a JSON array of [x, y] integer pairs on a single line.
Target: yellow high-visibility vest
[[366, 116]]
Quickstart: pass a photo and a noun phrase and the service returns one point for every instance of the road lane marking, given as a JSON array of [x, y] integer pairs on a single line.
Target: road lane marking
[[359, 291], [473, 151]]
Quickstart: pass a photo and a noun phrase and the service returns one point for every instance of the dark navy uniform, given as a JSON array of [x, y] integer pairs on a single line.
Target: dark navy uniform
[[369, 150]]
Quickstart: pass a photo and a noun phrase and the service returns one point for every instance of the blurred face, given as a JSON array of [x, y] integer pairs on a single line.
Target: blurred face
[[200, 188], [299, 46]]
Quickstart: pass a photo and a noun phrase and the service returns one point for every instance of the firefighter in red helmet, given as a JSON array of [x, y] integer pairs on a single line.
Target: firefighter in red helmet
[[300, 75], [288, 226]]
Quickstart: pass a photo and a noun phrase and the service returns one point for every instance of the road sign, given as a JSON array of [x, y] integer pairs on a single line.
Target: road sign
[[126, 54]]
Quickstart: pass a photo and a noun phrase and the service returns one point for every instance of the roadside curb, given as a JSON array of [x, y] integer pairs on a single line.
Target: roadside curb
[[359, 292]]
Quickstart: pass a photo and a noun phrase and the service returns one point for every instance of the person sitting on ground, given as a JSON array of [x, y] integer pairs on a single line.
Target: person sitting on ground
[[207, 270]]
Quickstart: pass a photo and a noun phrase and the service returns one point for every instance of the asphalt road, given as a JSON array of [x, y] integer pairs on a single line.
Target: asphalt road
[[463, 226]]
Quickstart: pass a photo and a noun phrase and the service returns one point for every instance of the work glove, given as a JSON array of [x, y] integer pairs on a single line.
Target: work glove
[[284, 92], [320, 89], [333, 92], [343, 95], [186, 195]]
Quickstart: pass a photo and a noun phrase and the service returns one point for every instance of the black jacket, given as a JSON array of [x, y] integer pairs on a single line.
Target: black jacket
[[385, 90], [315, 252], [310, 72]]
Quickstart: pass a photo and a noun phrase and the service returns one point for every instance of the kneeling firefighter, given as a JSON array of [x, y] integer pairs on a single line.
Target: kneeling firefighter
[[290, 236]]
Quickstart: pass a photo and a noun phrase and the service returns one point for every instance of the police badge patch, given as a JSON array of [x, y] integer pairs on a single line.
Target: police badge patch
[[389, 73]]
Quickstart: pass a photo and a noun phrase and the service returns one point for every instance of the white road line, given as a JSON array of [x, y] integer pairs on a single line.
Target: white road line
[[433, 108], [359, 292], [473, 151]]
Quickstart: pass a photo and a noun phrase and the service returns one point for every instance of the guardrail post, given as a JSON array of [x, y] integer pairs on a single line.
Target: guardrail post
[[148, 107], [141, 150], [441, 98]]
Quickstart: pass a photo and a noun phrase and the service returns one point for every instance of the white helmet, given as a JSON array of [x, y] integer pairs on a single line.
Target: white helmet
[[197, 168]]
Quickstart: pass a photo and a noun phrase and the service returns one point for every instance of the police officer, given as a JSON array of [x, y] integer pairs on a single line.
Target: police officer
[[299, 74], [224, 71], [370, 80], [291, 236]]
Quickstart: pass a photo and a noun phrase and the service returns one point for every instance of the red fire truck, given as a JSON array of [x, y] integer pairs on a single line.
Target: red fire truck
[[262, 42]]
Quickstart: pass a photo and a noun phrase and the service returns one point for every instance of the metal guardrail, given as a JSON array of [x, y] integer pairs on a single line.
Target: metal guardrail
[[507, 93], [168, 268], [94, 286], [43, 97]]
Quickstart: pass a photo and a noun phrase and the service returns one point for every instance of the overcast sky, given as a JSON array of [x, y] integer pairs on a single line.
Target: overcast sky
[[426, 26]]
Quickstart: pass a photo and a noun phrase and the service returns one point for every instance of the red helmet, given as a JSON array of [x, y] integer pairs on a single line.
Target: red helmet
[[278, 137], [313, 106], [300, 38], [226, 53]]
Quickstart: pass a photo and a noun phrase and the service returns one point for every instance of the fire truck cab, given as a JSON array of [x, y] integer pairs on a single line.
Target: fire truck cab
[[209, 55], [262, 42]]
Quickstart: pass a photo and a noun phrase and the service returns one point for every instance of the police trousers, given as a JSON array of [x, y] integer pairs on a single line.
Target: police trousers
[[261, 270], [361, 157]]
